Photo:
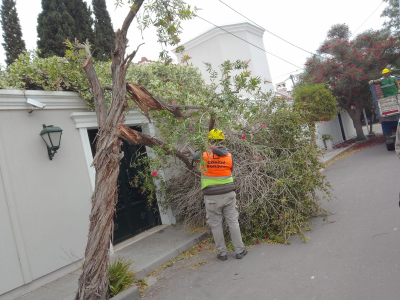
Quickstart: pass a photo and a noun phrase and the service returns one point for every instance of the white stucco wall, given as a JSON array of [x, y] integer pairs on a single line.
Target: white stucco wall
[[216, 46], [44, 204], [333, 128]]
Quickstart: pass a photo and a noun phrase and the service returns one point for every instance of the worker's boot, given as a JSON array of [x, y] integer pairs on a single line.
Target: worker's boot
[[222, 257], [241, 255]]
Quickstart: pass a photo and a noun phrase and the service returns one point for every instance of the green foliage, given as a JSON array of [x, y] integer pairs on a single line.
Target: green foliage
[[13, 43], [315, 102], [391, 13], [83, 22], [166, 17], [276, 176], [120, 277], [55, 25], [346, 65], [30, 72], [327, 136], [276, 169], [103, 31]]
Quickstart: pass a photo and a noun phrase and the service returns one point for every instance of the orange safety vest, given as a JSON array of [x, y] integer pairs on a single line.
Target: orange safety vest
[[218, 169]]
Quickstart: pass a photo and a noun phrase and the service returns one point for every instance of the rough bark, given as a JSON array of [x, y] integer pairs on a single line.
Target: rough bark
[[355, 115], [93, 282], [354, 109]]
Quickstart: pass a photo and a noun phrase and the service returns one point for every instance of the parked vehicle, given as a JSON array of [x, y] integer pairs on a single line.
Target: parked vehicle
[[388, 112]]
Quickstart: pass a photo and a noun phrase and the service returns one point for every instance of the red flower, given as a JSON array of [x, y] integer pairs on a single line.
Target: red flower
[[154, 173], [173, 102], [243, 137], [258, 241], [263, 125]]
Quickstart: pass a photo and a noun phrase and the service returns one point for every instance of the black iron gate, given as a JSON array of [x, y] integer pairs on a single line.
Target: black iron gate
[[132, 214]]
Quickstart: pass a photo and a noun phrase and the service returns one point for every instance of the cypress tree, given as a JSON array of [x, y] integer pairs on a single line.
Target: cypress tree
[[103, 31], [54, 27], [12, 34], [83, 21]]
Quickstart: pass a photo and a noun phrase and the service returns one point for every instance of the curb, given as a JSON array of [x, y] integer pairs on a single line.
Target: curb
[[339, 153], [133, 292], [169, 256], [130, 294]]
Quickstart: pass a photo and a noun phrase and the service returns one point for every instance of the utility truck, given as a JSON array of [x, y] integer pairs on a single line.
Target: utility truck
[[388, 112]]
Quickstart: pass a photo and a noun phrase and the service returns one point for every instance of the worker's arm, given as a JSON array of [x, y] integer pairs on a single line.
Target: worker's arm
[[374, 81], [397, 83], [397, 144]]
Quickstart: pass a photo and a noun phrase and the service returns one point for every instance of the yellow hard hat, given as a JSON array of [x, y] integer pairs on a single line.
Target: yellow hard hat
[[216, 134], [385, 71]]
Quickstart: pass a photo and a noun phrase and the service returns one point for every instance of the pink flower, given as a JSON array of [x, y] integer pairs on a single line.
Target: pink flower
[[173, 102], [263, 125], [258, 241], [154, 173], [243, 137], [199, 246]]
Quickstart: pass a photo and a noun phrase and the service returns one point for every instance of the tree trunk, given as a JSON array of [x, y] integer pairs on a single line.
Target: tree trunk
[[94, 280], [372, 119], [355, 117]]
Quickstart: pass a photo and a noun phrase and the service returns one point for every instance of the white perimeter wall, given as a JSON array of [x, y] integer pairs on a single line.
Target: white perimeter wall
[[44, 204], [333, 128]]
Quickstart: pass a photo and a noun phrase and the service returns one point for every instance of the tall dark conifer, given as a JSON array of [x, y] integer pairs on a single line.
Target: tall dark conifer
[[83, 20], [103, 31], [55, 25], [12, 34]]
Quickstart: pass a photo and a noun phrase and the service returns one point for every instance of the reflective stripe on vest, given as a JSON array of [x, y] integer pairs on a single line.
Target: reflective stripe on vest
[[218, 170], [388, 86]]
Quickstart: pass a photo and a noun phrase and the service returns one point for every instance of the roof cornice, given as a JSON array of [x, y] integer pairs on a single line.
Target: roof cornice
[[16, 99], [232, 28]]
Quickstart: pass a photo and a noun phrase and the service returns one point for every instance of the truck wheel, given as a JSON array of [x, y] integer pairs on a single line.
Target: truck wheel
[[390, 147]]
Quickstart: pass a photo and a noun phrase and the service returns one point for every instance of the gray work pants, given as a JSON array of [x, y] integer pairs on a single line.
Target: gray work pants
[[217, 207]]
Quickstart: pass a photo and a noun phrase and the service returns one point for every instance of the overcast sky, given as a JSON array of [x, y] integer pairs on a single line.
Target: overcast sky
[[303, 23]]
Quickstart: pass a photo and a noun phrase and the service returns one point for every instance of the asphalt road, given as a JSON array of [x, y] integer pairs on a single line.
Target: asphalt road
[[356, 255]]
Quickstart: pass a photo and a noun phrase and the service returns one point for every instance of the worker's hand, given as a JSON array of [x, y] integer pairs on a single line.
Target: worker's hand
[[371, 82]]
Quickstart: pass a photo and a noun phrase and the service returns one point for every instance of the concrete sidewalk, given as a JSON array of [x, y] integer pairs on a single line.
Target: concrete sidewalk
[[328, 156], [148, 251]]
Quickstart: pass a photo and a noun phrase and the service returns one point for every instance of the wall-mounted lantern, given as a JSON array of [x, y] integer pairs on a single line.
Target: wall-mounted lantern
[[52, 137]]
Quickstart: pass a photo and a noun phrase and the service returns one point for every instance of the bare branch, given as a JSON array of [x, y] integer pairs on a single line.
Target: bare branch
[[212, 122], [98, 92], [138, 138], [131, 56]]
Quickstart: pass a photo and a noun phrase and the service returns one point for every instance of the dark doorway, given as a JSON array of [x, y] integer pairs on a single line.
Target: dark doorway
[[132, 214]]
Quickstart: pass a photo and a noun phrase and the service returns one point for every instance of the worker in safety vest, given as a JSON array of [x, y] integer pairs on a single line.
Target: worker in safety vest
[[389, 84], [219, 194]]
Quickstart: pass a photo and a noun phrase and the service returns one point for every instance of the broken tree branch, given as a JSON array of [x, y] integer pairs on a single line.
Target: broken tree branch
[[138, 138], [146, 102]]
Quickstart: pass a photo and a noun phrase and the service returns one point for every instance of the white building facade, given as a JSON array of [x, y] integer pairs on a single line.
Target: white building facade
[[241, 41], [45, 204]]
